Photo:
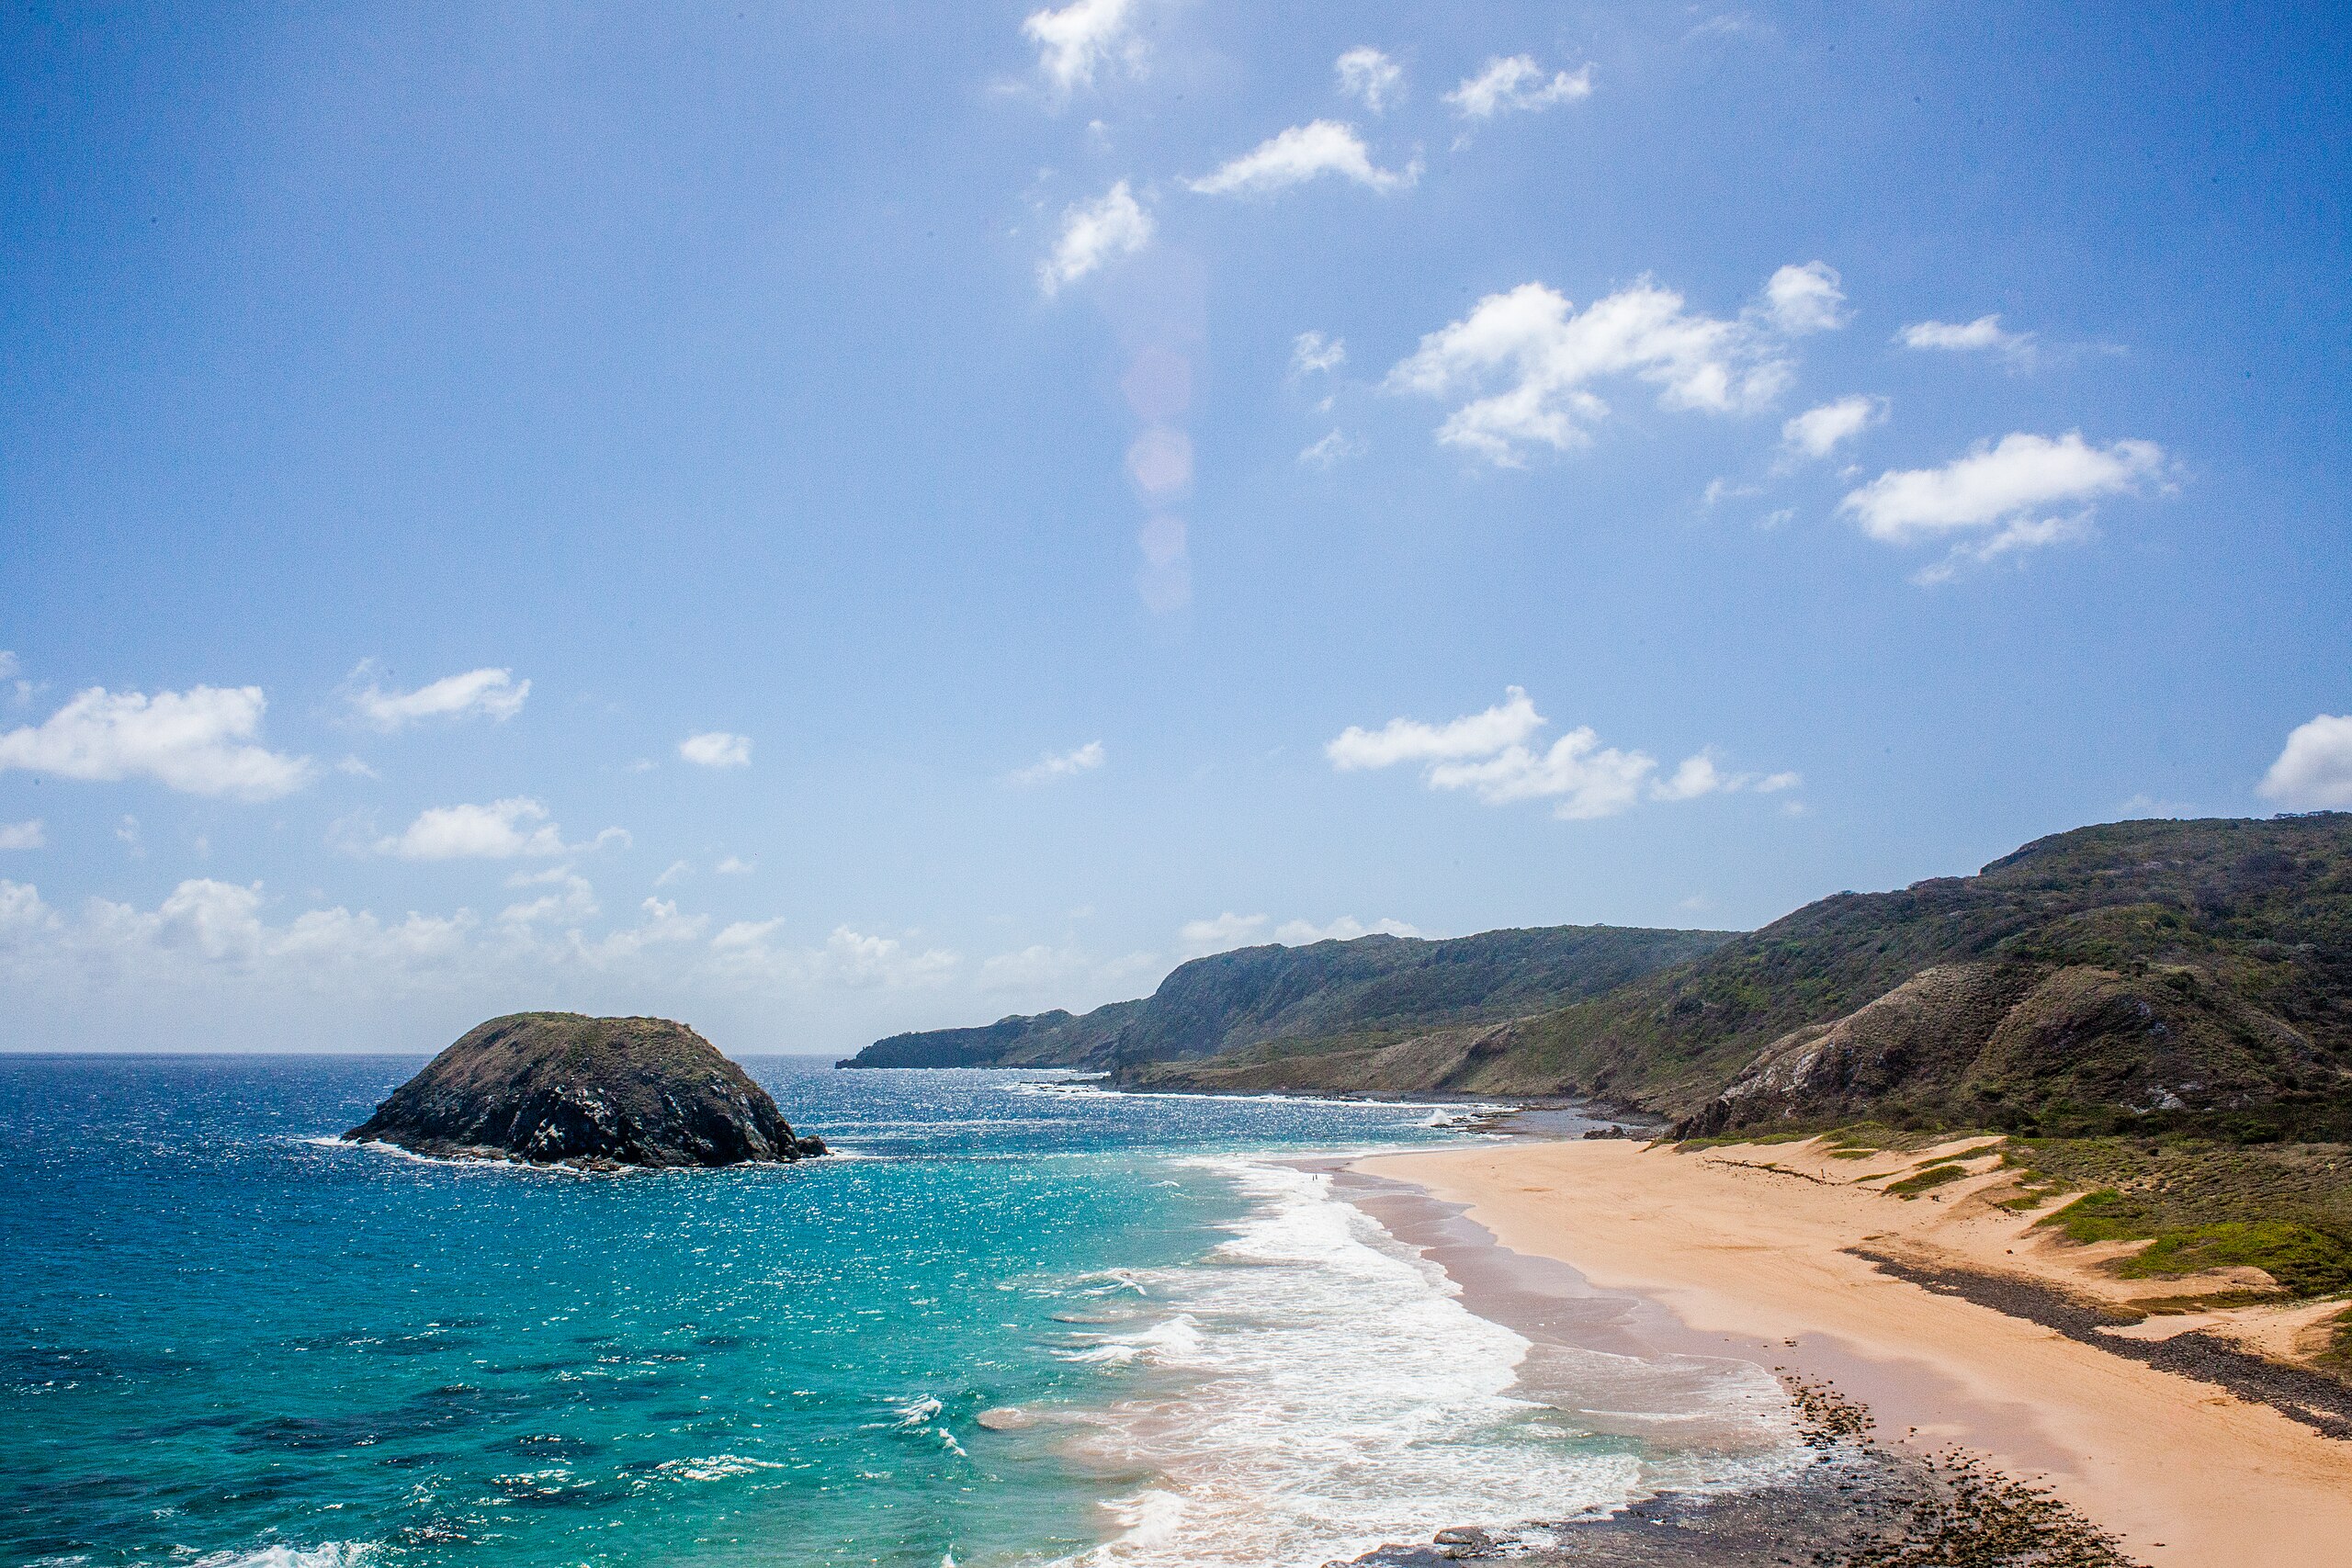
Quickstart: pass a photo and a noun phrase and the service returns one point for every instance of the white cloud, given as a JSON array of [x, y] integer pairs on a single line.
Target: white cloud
[[1367, 75], [1489, 754], [848, 958], [1983, 334], [1508, 723], [1301, 153], [1347, 927], [1516, 82], [22, 913], [494, 694], [503, 830], [8, 665], [1221, 934], [1330, 450], [1698, 776], [1546, 356], [23, 835], [203, 923], [1585, 778], [190, 740], [677, 871], [1311, 352], [357, 769], [659, 926], [1093, 233], [1061, 764], [1080, 39], [572, 902], [1817, 432], [2314, 772], [2001, 487], [1803, 300], [717, 748], [735, 865]]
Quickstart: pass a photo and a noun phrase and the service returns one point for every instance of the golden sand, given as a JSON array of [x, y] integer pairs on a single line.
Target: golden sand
[[1753, 1240]]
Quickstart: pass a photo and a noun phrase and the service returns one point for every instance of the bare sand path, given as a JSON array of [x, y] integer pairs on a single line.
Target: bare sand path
[[1751, 1241]]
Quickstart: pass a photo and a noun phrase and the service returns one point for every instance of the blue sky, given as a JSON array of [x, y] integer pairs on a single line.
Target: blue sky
[[874, 517]]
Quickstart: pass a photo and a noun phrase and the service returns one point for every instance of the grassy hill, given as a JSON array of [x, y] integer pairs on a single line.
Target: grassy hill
[[1382, 985], [2182, 976]]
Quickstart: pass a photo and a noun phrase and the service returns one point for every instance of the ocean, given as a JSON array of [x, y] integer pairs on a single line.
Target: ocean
[[1015, 1321]]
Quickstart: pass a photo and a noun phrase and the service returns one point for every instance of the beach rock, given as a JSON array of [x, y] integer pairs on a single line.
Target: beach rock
[[595, 1093]]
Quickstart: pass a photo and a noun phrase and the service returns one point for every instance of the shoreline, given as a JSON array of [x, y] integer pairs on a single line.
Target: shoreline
[[1744, 1254]]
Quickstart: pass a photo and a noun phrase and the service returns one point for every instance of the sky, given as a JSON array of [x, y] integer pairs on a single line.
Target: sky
[[827, 520]]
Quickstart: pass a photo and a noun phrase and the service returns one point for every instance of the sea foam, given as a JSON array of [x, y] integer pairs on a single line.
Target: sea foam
[[1318, 1389]]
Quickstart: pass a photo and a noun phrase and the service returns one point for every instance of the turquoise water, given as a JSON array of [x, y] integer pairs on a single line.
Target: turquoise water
[[230, 1340]]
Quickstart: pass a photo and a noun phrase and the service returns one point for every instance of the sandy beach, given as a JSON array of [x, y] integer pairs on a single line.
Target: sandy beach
[[1752, 1250]]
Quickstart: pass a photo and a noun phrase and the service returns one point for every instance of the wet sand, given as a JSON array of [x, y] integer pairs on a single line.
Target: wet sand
[[1750, 1254]]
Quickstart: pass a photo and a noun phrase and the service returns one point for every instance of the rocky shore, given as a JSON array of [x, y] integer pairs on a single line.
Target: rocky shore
[[1859, 1506], [590, 1093]]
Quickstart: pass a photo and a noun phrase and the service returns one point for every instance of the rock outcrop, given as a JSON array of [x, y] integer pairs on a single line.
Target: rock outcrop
[[598, 1093]]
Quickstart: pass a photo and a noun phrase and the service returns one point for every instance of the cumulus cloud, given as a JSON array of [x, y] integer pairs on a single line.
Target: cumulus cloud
[[493, 694], [1302, 154], [197, 741], [1517, 83], [1092, 234], [1508, 723], [1800, 299], [1219, 933], [22, 913], [735, 865], [717, 748], [1061, 764], [1698, 776], [1311, 352], [1541, 357], [8, 665], [23, 835], [568, 901], [1983, 335], [1347, 927], [503, 830], [207, 924], [1490, 754], [1369, 76], [1081, 39], [1818, 431], [1997, 491], [847, 957], [2314, 772]]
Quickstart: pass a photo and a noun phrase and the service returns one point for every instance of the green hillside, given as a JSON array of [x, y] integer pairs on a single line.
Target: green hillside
[[1387, 984], [2189, 976]]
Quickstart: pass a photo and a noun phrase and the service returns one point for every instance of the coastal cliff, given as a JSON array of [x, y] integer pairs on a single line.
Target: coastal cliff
[[599, 1093], [2189, 976], [1380, 986]]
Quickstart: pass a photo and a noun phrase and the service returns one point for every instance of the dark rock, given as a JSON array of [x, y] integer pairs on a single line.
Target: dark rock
[[596, 1093]]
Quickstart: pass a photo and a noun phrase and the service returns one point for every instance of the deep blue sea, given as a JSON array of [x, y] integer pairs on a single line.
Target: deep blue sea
[[1017, 1322]]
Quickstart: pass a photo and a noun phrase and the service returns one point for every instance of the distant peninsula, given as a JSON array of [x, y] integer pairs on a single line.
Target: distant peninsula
[[593, 1093]]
